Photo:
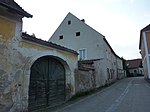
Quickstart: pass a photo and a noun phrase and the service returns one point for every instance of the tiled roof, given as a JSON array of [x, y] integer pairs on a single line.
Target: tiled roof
[[147, 28], [14, 7], [135, 63], [87, 65], [46, 43]]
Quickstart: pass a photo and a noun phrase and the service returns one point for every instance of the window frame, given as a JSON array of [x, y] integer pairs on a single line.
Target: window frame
[[82, 54]]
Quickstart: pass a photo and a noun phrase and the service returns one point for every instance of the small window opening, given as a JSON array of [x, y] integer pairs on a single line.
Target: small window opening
[[61, 37], [69, 22], [77, 33]]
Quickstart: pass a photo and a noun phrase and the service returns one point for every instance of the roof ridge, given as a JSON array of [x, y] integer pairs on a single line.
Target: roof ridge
[[85, 23]]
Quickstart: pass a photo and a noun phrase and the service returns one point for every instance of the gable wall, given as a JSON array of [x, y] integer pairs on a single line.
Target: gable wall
[[89, 38], [97, 48]]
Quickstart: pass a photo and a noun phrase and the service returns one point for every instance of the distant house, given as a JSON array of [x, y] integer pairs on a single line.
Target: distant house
[[144, 46], [135, 67], [75, 34], [33, 73]]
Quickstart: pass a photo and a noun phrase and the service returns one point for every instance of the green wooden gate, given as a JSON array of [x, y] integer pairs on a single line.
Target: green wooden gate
[[47, 83]]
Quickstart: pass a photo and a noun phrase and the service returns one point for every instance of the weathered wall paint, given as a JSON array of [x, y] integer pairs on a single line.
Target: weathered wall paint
[[7, 29], [32, 52], [16, 59], [15, 77], [25, 44], [69, 55], [85, 80]]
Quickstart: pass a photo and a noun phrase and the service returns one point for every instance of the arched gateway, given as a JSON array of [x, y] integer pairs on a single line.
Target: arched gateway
[[47, 83]]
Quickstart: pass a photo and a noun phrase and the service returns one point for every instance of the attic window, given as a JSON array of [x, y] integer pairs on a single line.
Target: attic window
[[69, 22], [77, 34], [61, 37]]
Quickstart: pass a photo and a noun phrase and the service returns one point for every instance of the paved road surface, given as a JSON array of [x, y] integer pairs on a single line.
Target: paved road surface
[[127, 95]]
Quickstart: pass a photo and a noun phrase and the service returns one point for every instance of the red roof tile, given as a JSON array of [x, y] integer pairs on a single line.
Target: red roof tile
[[135, 63]]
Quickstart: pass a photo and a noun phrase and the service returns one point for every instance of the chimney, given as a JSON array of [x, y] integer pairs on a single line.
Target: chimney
[[83, 20]]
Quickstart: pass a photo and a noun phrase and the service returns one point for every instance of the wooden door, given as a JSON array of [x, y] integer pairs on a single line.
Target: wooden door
[[47, 83]]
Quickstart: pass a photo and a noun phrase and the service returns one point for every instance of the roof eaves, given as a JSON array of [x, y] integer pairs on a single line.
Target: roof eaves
[[46, 43], [111, 48], [147, 28], [18, 10]]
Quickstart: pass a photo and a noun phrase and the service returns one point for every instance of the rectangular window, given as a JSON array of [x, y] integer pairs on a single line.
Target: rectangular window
[[61, 37], [77, 34], [69, 22], [82, 54]]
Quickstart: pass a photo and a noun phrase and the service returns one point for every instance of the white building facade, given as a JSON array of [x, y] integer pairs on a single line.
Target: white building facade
[[75, 34], [144, 47]]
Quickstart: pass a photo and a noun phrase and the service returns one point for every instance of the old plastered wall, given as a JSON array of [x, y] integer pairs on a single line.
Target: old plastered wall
[[16, 58], [100, 74], [8, 77], [91, 76], [84, 80]]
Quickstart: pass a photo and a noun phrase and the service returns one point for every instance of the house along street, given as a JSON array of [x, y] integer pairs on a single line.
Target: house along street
[[126, 95]]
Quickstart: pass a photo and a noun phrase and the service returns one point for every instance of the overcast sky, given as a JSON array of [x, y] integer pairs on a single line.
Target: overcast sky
[[120, 21]]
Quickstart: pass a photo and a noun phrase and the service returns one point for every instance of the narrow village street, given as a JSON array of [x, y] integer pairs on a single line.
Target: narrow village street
[[58, 63], [127, 95]]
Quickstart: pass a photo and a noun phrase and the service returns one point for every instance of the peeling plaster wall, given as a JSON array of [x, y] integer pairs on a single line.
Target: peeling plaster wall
[[17, 56], [85, 80], [7, 29], [10, 69]]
